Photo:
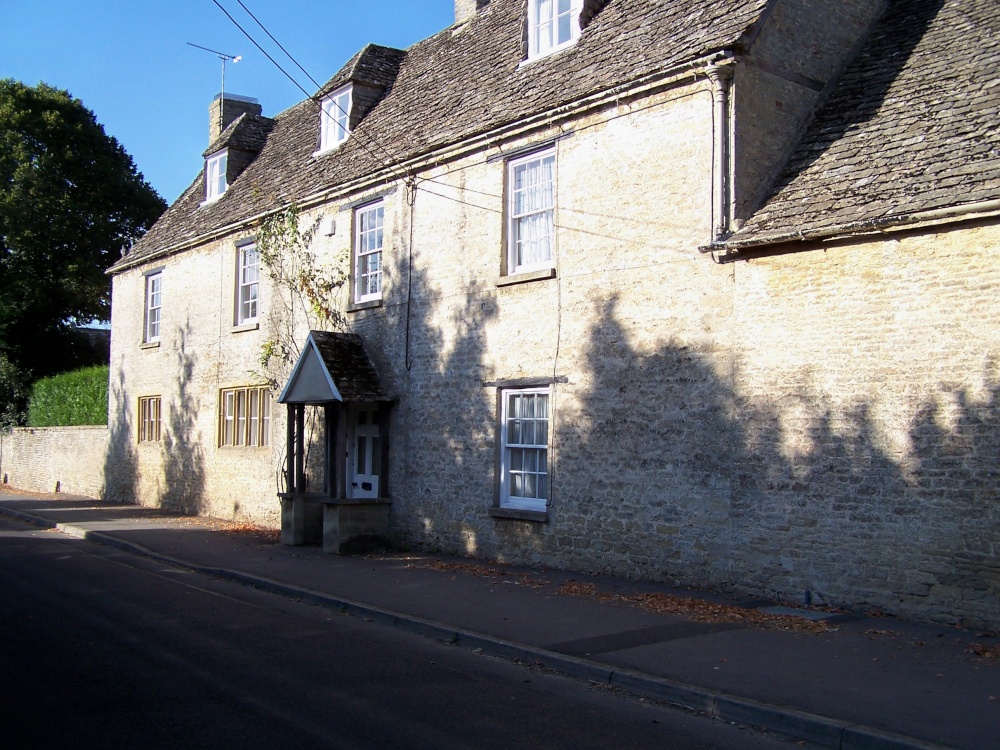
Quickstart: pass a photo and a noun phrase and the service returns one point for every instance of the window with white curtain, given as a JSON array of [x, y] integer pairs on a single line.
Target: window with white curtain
[[248, 285], [216, 181], [154, 304], [369, 236], [531, 212], [552, 25], [335, 119], [524, 448]]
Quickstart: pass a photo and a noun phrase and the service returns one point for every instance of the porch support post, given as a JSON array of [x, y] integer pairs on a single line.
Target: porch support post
[[290, 451], [300, 449], [331, 413], [384, 408]]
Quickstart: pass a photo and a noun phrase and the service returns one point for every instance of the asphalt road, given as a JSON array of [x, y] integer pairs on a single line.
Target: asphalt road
[[100, 648]]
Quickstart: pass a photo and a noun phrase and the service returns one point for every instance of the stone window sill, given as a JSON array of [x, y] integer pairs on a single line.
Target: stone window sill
[[523, 278], [150, 345], [245, 327], [516, 514], [367, 305]]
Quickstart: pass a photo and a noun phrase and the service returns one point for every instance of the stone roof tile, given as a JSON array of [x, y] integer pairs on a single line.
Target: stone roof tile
[[466, 80], [911, 126], [247, 133]]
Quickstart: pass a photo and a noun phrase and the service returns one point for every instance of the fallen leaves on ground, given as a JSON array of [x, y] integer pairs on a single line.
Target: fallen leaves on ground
[[987, 652], [485, 571], [668, 604], [8, 490], [698, 610]]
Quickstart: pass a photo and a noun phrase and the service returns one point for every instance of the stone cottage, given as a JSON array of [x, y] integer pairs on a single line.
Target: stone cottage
[[701, 291]]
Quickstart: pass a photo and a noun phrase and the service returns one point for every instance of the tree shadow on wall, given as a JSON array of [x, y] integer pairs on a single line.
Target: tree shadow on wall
[[121, 464], [668, 473], [438, 340], [643, 450], [183, 455]]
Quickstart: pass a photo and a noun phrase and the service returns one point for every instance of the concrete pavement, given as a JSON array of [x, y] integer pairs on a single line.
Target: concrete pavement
[[832, 679]]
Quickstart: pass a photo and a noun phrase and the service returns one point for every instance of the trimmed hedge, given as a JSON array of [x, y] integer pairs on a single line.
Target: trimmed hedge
[[79, 397]]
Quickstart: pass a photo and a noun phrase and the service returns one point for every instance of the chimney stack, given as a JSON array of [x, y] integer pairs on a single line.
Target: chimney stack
[[466, 10], [222, 112]]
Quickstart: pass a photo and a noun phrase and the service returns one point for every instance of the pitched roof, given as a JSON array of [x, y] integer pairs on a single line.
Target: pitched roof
[[247, 133], [911, 126], [374, 65], [332, 367], [463, 81]]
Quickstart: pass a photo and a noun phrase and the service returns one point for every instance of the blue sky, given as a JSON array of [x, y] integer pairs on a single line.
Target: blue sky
[[128, 60]]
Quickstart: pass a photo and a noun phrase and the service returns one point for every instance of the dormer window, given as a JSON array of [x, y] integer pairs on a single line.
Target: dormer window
[[335, 119], [552, 25], [215, 175]]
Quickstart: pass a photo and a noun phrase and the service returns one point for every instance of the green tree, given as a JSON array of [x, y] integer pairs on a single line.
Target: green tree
[[70, 200]]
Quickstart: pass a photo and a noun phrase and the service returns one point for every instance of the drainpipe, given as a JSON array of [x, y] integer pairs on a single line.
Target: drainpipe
[[721, 76]]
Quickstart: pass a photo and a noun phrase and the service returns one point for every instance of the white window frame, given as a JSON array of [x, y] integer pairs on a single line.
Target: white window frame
[[335, 118], [247, 285], [369, 241], [552, 25], [216, 181], [153, 316], [245, 417], [524, 464], [149, 419], [531, 235]]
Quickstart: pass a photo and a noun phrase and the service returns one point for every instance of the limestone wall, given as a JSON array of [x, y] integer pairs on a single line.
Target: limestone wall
[[55, 459], [867, 449]]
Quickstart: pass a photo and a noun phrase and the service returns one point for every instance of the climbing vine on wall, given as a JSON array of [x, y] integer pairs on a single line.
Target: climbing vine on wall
[[305, 290]]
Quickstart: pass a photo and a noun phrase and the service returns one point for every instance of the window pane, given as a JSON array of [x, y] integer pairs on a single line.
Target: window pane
[[376, 456], [517, 485], [228, 418], [516, 459], [529, 485], [564, 29], [255, 418], [241, 417], [362, 455], [265, 411]]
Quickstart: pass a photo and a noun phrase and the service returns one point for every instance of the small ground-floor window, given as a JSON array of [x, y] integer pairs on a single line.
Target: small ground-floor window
[[245, 416], [524, 448], [149, 419]]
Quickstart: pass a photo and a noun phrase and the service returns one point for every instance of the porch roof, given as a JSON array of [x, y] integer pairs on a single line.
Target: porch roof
[[332, 367]]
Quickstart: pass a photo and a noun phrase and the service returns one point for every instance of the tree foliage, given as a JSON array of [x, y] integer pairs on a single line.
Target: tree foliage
[[305, 290], [70, 201], [13, 394]]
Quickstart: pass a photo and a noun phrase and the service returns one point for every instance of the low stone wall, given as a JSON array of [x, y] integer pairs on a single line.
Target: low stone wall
[[55, 459]]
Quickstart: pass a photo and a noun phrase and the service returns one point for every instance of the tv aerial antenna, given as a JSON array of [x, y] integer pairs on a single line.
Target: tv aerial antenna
[[225, 58]]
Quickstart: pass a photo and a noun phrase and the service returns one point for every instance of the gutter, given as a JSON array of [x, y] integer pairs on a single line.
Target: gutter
[[868, 227], [481, 142]]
